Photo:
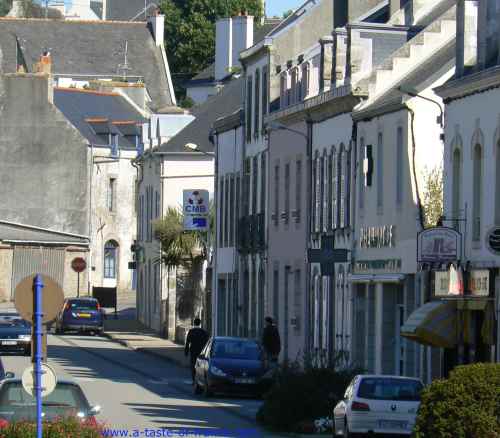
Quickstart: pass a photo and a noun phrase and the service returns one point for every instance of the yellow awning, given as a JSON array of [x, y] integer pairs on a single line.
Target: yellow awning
[[433, 324]]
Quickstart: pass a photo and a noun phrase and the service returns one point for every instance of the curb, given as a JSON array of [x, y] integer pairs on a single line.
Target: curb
[[146, 351]]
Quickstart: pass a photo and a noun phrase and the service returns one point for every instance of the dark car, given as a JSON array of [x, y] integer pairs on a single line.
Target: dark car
[[80, 314], [15, 334], [67, 400], [232, 365]]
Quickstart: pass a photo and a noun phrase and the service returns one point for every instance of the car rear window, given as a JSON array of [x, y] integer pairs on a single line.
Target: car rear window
[[63, 395], [83, 305], [390, 389], [237, 350]]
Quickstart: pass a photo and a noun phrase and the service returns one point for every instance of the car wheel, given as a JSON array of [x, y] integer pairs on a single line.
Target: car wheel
[[347, 433]]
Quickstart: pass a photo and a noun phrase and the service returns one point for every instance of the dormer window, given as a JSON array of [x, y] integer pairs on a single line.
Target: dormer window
[[114, 145]]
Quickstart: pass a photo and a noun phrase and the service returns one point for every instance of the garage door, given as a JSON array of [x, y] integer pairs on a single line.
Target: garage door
[[29, 260]]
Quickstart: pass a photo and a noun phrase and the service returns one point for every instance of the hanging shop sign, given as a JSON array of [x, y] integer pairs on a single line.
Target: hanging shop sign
[[439, 244], [377, 265], [378, 237], [479, 283], [196, 210]]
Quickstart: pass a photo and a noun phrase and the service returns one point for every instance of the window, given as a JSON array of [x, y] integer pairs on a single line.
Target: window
[[227, 222], [276, 297], [111, 196], [263, 183], [325, 196], [305, 80], [157, 205], [284, 90], [114, 145], [338, 185], [276, 194], [329, 206], [477, 190], [399, 167], [255, 184], [232, 209], [221, 212], [294, 93], [497, 184], [298, 190], [347, 186], [257, 105], [264, 95], [334, 189], [297, 299], [287, 193], [457, 184], [361, 181], [342, 186], [110, 259], [237, 207], [380, 175], [249, 110], [246, 187], [317, 195]]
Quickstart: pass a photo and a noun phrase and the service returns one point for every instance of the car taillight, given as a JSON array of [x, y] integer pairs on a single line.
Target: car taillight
[[67, 306], [358, 406]]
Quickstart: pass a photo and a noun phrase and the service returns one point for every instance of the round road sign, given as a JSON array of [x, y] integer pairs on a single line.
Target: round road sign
[[78, 264], [49, 380], [52, 298]]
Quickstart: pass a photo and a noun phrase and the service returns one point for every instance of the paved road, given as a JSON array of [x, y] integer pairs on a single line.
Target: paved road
[[138, 391]]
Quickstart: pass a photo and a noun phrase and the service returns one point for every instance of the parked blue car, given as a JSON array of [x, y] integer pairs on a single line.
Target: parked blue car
[[82, 315]]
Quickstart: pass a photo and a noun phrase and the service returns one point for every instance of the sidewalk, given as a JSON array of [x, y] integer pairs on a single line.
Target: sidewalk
[[134, 335]]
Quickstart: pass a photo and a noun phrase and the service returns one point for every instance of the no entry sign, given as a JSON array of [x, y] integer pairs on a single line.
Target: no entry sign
[[78, 264]]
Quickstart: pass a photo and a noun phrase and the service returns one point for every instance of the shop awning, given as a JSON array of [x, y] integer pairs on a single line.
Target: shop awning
[[433, 324]]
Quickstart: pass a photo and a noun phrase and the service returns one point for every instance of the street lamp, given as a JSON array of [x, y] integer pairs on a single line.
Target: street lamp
[[410, 91], [195, 148]]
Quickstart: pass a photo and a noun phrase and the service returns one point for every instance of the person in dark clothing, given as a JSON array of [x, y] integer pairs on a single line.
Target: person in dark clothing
[[195, 341], [271, 340]]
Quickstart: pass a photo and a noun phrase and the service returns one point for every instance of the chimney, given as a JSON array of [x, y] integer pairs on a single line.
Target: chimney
[[45, 64], [157, 22], [232, 35]]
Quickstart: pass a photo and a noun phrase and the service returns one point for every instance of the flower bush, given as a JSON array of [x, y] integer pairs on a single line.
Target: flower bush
[[303, 397], [64, 428], [466, 405]]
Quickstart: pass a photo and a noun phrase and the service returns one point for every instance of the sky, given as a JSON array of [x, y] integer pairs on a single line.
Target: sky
[[277, 7]]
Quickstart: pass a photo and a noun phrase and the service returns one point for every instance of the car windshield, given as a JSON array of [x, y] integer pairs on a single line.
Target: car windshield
[[377, 388], [6, 321], [237, 350], [16, 404], [83, 305]]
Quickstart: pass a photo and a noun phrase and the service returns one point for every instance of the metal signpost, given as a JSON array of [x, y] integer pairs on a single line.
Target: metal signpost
[[30, 302], [78, 265]]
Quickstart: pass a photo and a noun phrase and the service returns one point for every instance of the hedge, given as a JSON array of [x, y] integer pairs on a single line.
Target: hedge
[[466, 405], [64, 428]]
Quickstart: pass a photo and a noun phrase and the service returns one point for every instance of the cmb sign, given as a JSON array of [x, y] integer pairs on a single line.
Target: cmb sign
[[195, 207]]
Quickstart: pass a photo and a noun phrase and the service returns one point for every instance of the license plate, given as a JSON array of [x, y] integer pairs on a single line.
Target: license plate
[[9, 342], [393, 424], [83, 315], [248, 380]]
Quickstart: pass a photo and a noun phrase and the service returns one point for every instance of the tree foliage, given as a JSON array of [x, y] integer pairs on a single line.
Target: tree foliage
[[190, 31], [433, 195]]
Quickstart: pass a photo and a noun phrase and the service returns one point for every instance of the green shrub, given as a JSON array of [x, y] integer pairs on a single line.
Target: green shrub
[[466, 405], [65, 428], [303, 395]]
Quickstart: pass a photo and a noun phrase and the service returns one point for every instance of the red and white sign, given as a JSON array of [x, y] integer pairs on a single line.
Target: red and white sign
[[78, 264]]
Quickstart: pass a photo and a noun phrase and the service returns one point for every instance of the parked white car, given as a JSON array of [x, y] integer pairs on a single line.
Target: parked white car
[[378, 404]]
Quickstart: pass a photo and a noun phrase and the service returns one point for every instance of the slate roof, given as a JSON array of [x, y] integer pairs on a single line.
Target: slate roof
[[20, 233], [259, 33], [125, 10], [78, 106], [226, 102], [88, 48]]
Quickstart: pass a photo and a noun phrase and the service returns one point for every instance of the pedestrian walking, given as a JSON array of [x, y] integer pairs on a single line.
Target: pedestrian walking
[[195, 341], [271, 341]]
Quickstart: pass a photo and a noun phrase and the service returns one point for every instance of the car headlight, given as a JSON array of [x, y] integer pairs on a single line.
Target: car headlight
[[24, 337], [217, 372]]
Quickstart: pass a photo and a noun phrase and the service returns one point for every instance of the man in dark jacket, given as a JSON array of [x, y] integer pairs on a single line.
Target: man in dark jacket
[[195, 341], [271, 340]]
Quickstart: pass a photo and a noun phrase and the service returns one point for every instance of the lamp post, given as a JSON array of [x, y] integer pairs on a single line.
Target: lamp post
[[414, 93]]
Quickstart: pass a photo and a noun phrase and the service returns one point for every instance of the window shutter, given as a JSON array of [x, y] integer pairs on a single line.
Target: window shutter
[[347, 185], [317, 196], [316, 311], [325, 315], [257, 105], [335, 190], [326, 194], [342, 188]]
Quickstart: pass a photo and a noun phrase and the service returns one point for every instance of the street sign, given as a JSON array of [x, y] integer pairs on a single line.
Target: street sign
[[52, 298], [78, 264], [49, 380], [439, 244], [195, 207]]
